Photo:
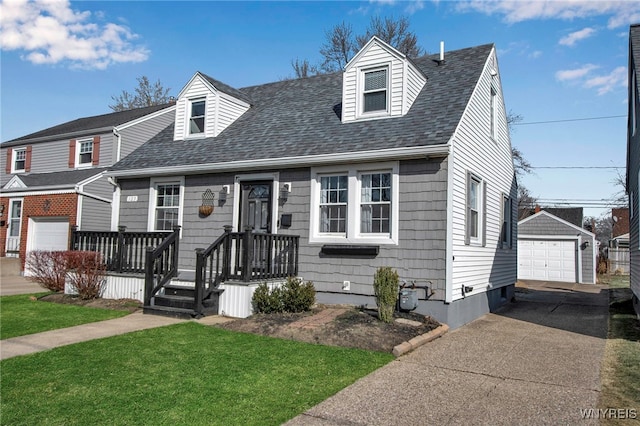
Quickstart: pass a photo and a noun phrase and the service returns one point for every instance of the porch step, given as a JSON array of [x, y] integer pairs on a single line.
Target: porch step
[[170, 312], [171, 301], [179, 290]]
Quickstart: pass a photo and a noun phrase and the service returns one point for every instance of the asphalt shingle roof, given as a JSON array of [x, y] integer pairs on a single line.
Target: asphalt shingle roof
[[91, 123], [66, 178], [301, 117]]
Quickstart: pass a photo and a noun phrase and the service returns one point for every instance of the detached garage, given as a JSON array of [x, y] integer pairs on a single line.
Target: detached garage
[[552, 249]]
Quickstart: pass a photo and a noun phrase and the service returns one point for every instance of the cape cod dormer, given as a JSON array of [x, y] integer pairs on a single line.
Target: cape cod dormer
[[379, 82], [206, 107]]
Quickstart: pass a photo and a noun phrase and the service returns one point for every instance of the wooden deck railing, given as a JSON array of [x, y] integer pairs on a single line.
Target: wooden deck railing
[[122, 251], [161, 264], [244, 256]]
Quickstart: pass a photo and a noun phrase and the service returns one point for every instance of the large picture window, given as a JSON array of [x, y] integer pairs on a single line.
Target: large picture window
[[359, 204]]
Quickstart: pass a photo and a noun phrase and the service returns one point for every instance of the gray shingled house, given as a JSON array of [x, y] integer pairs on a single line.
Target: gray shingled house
[[633, 164], [55, 178], [392, 162]]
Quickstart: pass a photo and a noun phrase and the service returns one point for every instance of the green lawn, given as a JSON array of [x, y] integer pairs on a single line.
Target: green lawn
[[182, 374], [620, 373], [20, 315]]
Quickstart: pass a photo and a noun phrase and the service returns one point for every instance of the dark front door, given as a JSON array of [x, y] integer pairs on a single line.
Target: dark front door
[[255, 206]]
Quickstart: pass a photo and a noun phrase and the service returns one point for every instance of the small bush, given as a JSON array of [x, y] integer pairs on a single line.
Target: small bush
[[385, 286], [48, 268], [86, 273], [293, 296], [298, 297]]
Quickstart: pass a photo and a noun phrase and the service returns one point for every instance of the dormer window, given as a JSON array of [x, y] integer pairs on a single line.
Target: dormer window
[[375, 91], [196, 119]]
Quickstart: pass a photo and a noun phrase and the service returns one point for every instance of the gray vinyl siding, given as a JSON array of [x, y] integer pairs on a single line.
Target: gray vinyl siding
[[484, 264], [95, 214], [53, 156], [135, 135], [634, 188], [548, 227], [420, 254], [100, 188], [134, 204]]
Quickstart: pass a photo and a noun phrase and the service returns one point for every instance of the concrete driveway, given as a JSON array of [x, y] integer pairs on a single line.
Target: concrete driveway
[[14, 284], [536, 361]]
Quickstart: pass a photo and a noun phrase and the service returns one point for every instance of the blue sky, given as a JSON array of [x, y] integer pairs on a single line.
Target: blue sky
[[559, 61]]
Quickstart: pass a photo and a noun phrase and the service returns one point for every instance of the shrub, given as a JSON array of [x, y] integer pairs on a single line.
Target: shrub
[[385, 286], [293, 296], [298, 297], [86, 273], [48, 268]]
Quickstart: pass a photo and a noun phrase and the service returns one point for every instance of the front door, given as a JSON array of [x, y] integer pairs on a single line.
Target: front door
[[255, 206], [13, 232]]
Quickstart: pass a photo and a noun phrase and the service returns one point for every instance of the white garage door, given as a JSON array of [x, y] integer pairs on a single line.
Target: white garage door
[[547, 260], [48, 234]]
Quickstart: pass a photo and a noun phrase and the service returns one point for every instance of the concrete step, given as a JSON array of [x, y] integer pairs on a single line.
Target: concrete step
[[10, 267]]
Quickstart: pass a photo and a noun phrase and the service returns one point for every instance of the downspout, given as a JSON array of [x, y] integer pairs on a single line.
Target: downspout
[[115, 204], [78, 207], [118, 144], [448, 295]]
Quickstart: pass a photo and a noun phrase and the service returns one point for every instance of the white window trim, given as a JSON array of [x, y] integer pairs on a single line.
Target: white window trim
[[153, 192], [360, 91], [479, 239], [507, 216], [14, 157], [353, 234], [79, 143], [187, 129]]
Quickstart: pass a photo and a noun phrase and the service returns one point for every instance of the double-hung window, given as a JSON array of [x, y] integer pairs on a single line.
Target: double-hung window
[[197, 116], [355, 205], [375, 93], [505, 232], [333, 204], [85, 153], [166, 205], [19, 160], [475, 210]]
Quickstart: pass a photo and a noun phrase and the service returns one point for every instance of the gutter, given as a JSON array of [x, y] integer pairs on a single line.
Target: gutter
[[289, 162], [62, 136]]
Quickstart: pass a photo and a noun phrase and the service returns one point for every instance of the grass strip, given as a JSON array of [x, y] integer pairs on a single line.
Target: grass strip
[[24, 314], [620, 375], [182, 374]]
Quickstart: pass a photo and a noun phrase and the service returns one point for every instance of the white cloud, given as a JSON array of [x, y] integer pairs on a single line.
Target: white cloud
[[571, 39], [574, 74], [51, 32], [603, 83], [623, 13], [607, 83], [535, 54]]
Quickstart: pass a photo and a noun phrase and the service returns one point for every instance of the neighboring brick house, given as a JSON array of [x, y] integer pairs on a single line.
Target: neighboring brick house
[[620, 220], [54, 178]]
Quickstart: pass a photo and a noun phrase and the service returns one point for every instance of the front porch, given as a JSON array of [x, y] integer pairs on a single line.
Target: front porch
[[144, 266]]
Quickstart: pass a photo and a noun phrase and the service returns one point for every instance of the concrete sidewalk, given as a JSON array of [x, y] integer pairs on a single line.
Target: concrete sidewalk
[[536, 361], [11, 285]]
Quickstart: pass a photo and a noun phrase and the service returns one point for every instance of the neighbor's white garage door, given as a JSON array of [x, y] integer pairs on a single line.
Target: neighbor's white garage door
[[553, 260], [48, 234]]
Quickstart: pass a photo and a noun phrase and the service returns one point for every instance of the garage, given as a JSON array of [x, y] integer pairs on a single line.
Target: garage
[[50, 233], [545, 260], [553, 249]]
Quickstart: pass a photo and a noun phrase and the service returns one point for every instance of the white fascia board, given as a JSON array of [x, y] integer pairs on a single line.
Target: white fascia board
[[95, 197], [390, 49], [233, 99], [70, 135], [144, 118], [91, 179], [289, 162], [197, 75]]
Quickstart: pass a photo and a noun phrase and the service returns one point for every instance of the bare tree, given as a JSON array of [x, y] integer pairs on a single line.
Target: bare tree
[[526, 202], [302, 68], [395, 32], [341, 43], [146, 94], [338, 48]]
